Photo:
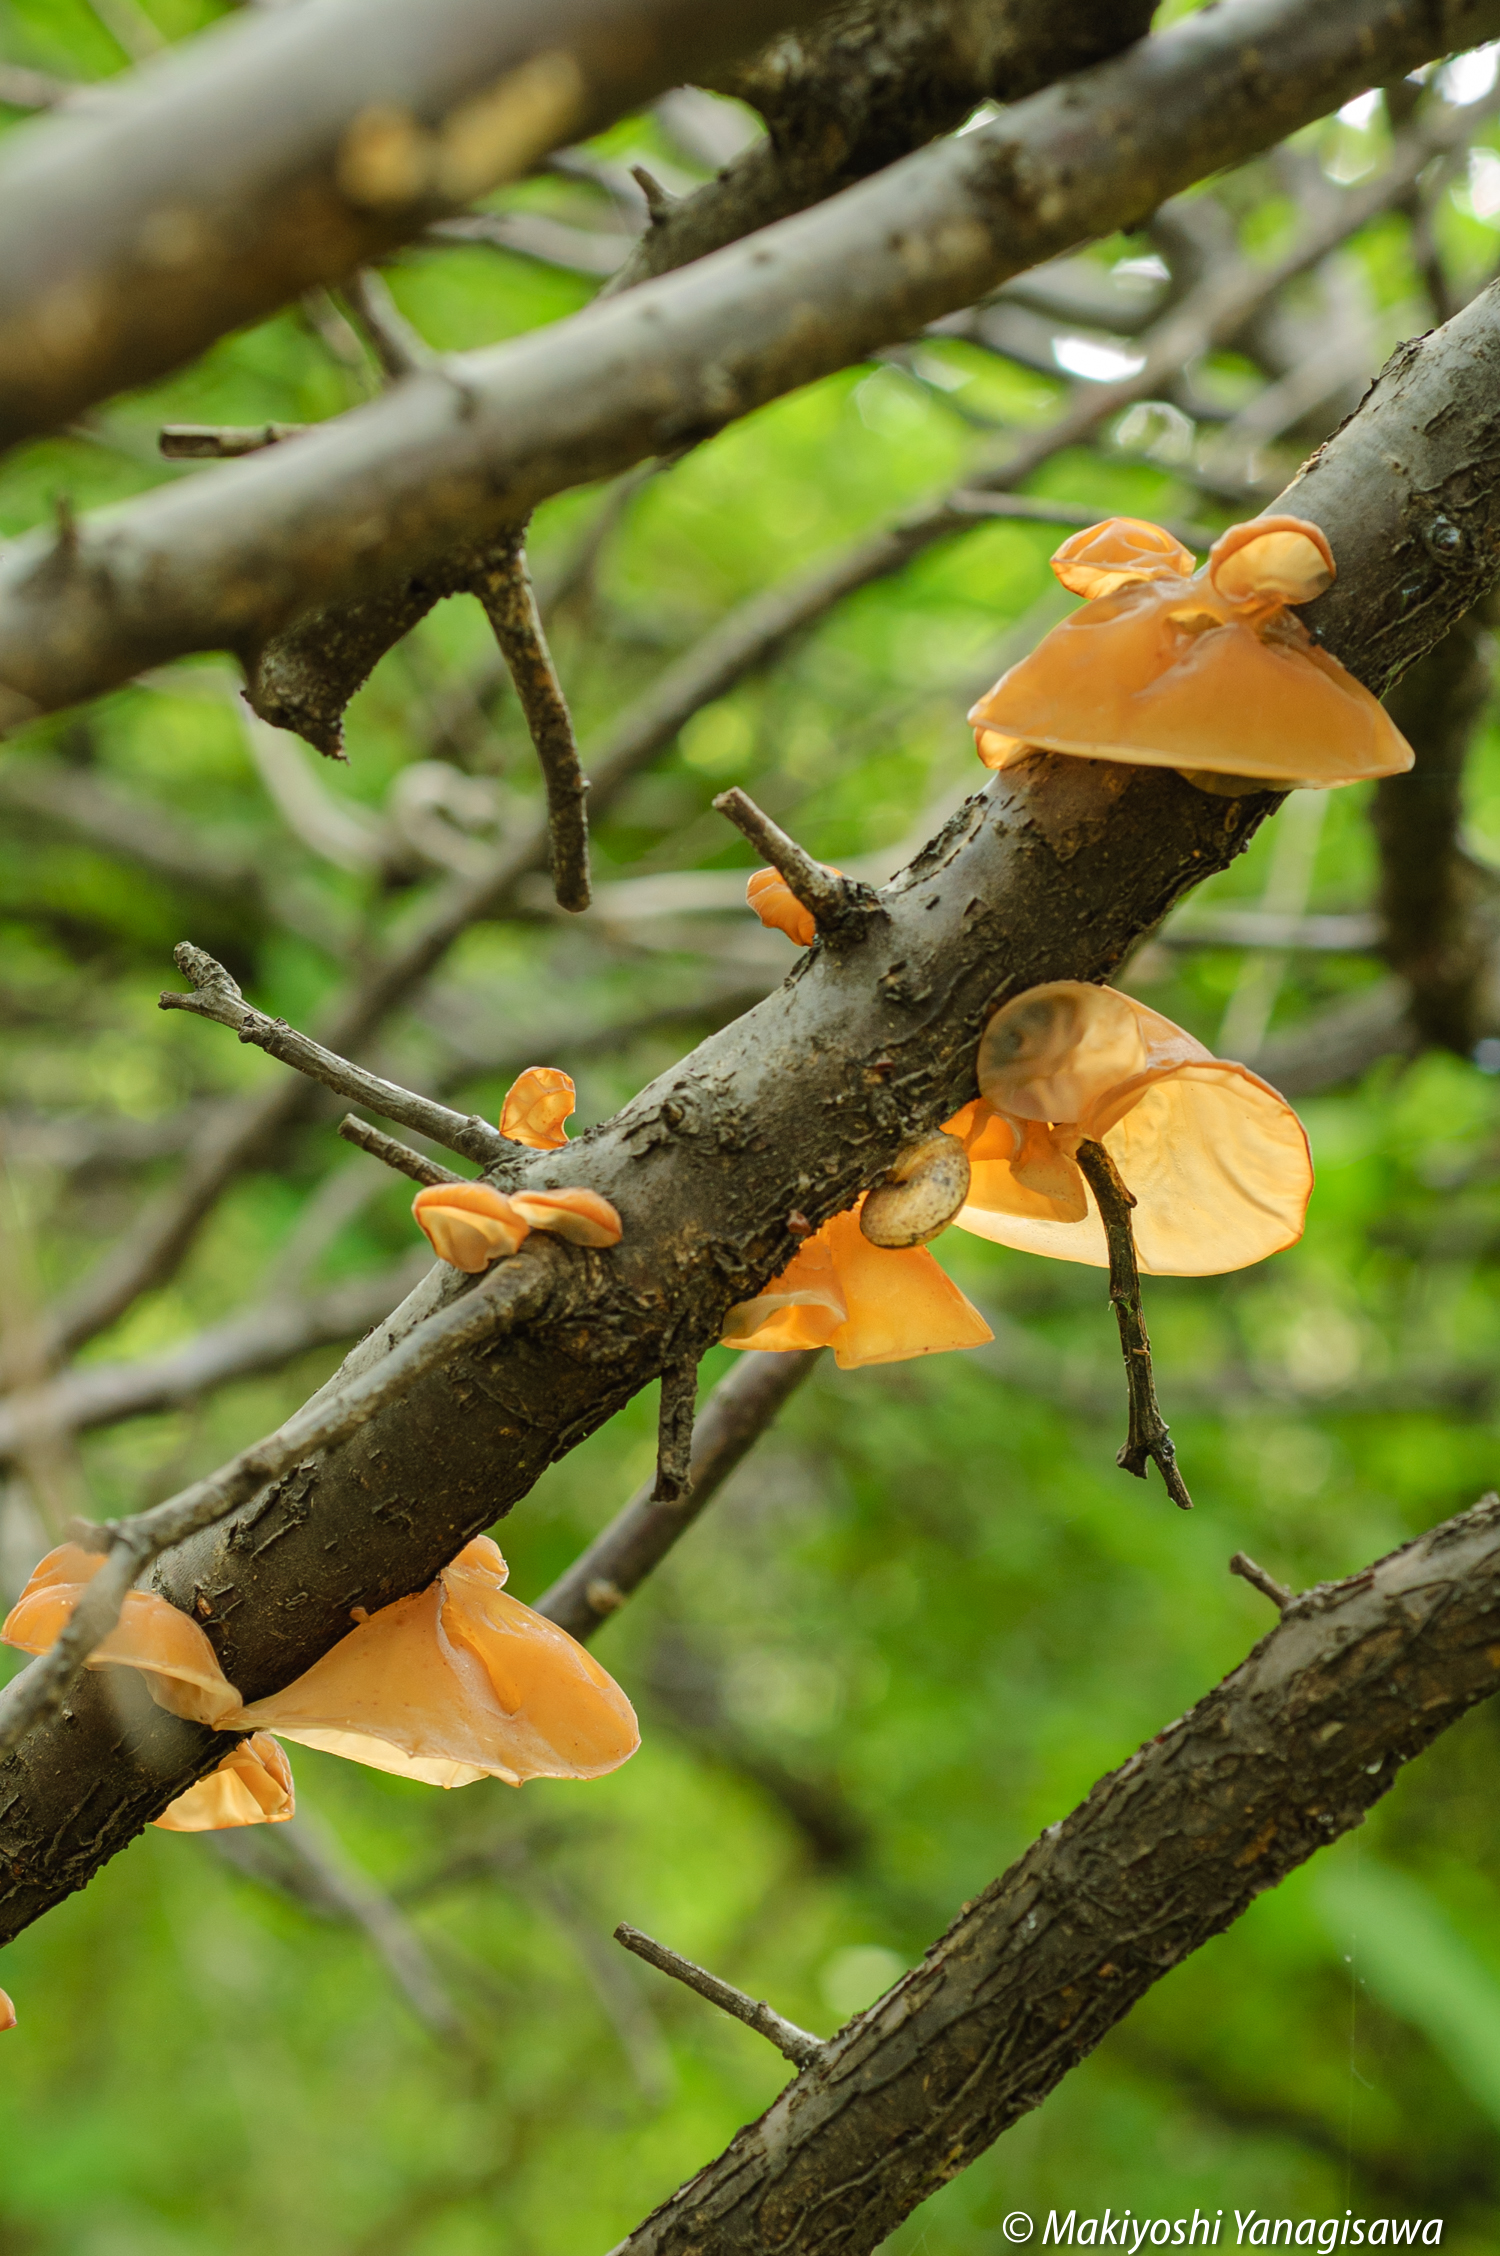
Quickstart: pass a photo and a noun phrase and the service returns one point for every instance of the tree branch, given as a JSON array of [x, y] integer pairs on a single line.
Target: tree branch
[[798, 2047], [1148, 1436], [413, 1164], [1055, 870], [1283, 1757], [643, 1531], [197, 198], [216, 996], [228, 557]]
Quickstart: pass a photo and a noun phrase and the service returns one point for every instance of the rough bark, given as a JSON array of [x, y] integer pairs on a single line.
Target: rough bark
[[1280, 1759], [226, 558], [285, 149], [1052, 872], [866, 84]]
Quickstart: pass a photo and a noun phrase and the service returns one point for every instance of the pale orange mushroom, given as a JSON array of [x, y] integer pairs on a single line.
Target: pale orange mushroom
[[869, 1303], [1218, 1162], [469, 1225], [180, 1666], [1210, 674], [581, 1216], [778, 907], [536, 1105], [7, 2012], [459, 1683], [252, 1786]]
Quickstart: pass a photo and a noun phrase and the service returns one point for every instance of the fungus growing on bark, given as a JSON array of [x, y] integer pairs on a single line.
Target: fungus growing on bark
[[469, 1225], [922, 1192], [536, 1105], [1196, 1165], [7, 2012], [583, 1217], [459, 1683], [778, 907], [869, 1303], [1207, 672], [252, 1786], [166, 1645]]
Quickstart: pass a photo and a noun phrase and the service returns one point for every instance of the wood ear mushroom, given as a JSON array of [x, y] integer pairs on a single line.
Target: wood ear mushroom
[[920, 1196]]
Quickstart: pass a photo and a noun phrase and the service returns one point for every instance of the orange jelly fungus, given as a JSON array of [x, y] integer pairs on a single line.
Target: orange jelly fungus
[[535, 1107], [778, 907], [869, 1303], [1218, 1162], [460, 1683], [7, 2012], [252, 1786], [469, 1225], [166, 1645], [1207, 672], [581, 1216]]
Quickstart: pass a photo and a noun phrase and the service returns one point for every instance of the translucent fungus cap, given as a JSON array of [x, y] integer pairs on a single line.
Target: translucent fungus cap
[[1212, 675], [1217, 1161], [7, 2012], [536, 1105], [469, 1225], [582, 1216], [165, 1644], [869, 1303], [778, 907], [252, 1786], [459, 1683]]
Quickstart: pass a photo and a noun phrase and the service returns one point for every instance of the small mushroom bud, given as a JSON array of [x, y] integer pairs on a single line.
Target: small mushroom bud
[[7, 2012], [920, 1195]]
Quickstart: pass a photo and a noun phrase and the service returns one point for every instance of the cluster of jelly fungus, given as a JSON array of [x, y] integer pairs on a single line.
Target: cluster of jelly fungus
[[470, 1225], [1208, 672], [458, 1683]]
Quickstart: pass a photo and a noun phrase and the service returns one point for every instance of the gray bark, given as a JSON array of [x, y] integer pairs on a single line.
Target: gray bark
[[227, 557]]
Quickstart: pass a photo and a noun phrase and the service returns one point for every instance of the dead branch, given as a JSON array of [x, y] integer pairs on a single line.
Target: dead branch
[[222, 442], [1283, 1757], [216, 996], [641, 1534], [401, 1157], [1148, 1436], [503, 585], [1244, 1566], [451, 457], [840, 907], [98, 291], [674, 1431], [798, 2047]]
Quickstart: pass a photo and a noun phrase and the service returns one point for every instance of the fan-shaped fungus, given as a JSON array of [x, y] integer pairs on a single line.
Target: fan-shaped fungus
[[252, 1786], [469, 1225], [7, 2012], [868, 1303], [460, 1683], [536, 1105], [1210, 674], [167, 1646], [581, 1216], [1195, 1163]]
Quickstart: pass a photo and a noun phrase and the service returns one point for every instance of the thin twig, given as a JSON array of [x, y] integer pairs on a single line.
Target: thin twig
[[398, 347], [641, 1534], [510, 1293], [222, 442], [798, 2046], [674, 1431], [1148, 1436], [503, 585], [394, 1154], [216, 996], [831, 901], [1244, 1566]]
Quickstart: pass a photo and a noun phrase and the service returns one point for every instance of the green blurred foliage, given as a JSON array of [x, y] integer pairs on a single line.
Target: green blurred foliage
[[928, 1612]]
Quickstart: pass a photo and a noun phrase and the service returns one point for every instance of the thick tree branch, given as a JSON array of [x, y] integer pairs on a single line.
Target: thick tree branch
[[286, 149], [1283, 1757], [230, 556], [1052, 872], [872, 80]]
